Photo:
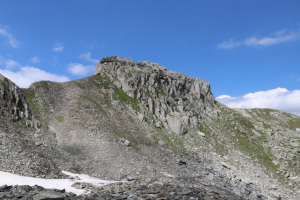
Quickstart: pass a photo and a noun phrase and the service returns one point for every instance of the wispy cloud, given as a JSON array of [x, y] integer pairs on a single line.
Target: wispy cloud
[[12, 41], [8, 63], [79, 69], [87, 56], [274, 38], [34, 59], [279, 98], [229, 44], [58, 47]]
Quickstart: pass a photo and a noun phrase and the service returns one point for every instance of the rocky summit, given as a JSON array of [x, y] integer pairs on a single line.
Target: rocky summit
[[177, 101], [161, 133]]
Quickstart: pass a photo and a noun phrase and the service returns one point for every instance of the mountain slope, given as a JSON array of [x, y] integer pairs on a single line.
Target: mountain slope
[[21, 151], [139, 120]]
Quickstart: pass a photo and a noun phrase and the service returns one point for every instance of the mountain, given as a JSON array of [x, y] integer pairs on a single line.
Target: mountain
[[138, 120]]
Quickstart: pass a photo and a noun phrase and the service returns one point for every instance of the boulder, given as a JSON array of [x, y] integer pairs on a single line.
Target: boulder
[[175, 125]]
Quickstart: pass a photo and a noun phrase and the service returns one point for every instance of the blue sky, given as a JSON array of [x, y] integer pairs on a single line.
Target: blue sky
[[240, 47]]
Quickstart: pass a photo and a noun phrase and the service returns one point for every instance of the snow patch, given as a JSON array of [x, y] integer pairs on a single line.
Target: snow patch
[[13, 179]]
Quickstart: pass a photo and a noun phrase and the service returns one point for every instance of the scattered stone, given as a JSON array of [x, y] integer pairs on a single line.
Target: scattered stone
[[141, 117], [162, 143], [224, 164], [158, 124], [124, 142], [210, 176], [48, 194], [185, 192], [201, 133], [276, 195], [127, 143]]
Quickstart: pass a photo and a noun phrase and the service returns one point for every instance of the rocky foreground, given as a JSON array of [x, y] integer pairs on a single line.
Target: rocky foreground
[[134, 190]]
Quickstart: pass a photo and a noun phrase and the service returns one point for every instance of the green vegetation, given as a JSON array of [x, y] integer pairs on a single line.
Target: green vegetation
[[294, 124], [241, 136], [105, 82], [245, 123], [204, 128], [161, 92], [30, 96], [173, 142], [124, 98], [256, 151], [60, 118]]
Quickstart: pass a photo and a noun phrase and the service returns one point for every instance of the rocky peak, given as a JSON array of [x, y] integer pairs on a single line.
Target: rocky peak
[[167, 99], [13, 104]]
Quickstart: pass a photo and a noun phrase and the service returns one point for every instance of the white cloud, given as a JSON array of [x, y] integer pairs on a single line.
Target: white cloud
[[8, 63], [58, 47], [35, 59], [13, 42], [27, 75], [279, 98], [87, 56], [79, 69], [274, 38]]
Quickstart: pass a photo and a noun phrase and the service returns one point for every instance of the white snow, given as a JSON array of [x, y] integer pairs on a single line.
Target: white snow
[[12, 179]]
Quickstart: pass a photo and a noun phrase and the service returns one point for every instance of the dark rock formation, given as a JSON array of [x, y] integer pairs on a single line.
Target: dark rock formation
[[13, 104]]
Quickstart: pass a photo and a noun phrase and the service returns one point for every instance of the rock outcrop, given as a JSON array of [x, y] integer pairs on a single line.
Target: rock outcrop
[[21, 148], [166, 98], [13, 104]]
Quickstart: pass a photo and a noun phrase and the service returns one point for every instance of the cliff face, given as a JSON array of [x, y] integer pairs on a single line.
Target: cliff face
[[13, 104], [177, 101]]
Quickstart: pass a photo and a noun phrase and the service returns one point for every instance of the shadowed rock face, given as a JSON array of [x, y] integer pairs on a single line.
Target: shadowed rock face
[[177, 100], [13, 104]]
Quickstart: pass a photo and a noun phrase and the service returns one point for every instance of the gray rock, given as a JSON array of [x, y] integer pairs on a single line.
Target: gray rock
[[49, 195], [201, 134], [185, 192], [175, 125], [127, 143], [224, 164], [210, 176], [162, 143], [149, 82], [141, 117]]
